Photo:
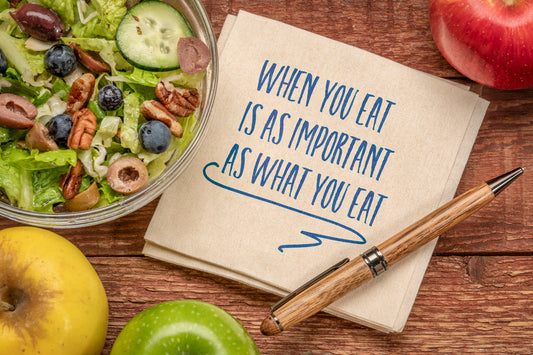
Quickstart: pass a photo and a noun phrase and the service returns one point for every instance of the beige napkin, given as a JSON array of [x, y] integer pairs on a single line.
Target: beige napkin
[[271, 204]]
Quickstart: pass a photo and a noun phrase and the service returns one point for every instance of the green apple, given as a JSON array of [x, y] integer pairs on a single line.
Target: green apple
[[51, 299], [183, 327]]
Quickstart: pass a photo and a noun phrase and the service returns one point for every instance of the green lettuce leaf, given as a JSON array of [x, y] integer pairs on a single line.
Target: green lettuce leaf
[[91, 44], [129, 137], [143, 92], [108, 129], [93, 160], [28, 63], [108, 195], [46, 192], [37, 96], [176, 77], [7, 23], [31, 179], [7, 134], [17, 87], [96, 109], [61, 89], [35, 59], [4, 4], [12, 182], [37, 161], [179, 78], [66, 9], [141, 77], [189, 131], [109, 14]]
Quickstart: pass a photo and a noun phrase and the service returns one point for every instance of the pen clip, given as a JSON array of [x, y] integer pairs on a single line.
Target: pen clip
[[308, 284]]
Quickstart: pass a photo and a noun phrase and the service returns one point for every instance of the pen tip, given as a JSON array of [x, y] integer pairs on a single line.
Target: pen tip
[[501, 182], [270, 326]]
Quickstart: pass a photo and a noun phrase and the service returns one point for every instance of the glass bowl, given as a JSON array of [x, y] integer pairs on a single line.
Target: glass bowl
[[199, 22]]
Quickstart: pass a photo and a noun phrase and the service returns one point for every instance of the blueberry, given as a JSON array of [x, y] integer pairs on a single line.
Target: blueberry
[[3, 62], [59, 128], [60, 60], [155, 137], [110, 98]]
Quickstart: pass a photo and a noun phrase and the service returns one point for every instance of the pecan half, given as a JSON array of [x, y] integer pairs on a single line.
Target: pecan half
[[154, 110], [70, 182], [179, 101], [80, 93], [83, 129], [89, 60]]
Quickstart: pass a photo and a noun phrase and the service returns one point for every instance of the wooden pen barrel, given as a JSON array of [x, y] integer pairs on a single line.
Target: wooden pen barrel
[[318, 296], [376, 260], [435, 223], [356, 272]]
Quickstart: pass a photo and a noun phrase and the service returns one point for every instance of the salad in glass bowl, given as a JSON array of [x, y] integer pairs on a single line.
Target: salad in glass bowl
[[102, 105]]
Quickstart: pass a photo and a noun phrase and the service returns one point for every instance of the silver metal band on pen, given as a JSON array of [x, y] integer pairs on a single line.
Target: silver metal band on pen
[[277, 321], [375, 261]]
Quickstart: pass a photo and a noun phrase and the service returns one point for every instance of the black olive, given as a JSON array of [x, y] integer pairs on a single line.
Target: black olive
[[39, 22]]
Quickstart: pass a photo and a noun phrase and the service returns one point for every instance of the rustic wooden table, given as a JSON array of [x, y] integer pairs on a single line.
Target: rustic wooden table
[[477, 294]]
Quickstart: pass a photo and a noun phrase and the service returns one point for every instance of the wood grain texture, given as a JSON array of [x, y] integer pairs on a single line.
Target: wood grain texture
[[474, 304], [397, 30], [319, 295], [477, 294], [435, 223]]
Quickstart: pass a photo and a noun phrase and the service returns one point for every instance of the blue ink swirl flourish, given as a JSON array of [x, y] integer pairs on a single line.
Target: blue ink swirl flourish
[[317, 237]]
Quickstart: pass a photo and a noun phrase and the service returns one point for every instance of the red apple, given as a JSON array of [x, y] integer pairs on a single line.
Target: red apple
[[488, 41]]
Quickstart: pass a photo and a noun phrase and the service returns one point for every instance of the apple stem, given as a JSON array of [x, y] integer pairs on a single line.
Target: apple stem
[[6, 306]]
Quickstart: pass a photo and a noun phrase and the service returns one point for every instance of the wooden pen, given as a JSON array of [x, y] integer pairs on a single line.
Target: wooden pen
[[349, 274]]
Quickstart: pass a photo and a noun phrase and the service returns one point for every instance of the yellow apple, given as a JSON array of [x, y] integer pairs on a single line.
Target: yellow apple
[[51, 298]]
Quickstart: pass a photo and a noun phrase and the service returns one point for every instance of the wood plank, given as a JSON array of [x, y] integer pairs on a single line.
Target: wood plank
[[398, 31], [504, 142], [123, 236], [465, 304]]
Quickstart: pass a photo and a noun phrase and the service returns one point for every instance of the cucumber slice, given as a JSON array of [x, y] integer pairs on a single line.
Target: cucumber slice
[[148, 35]]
